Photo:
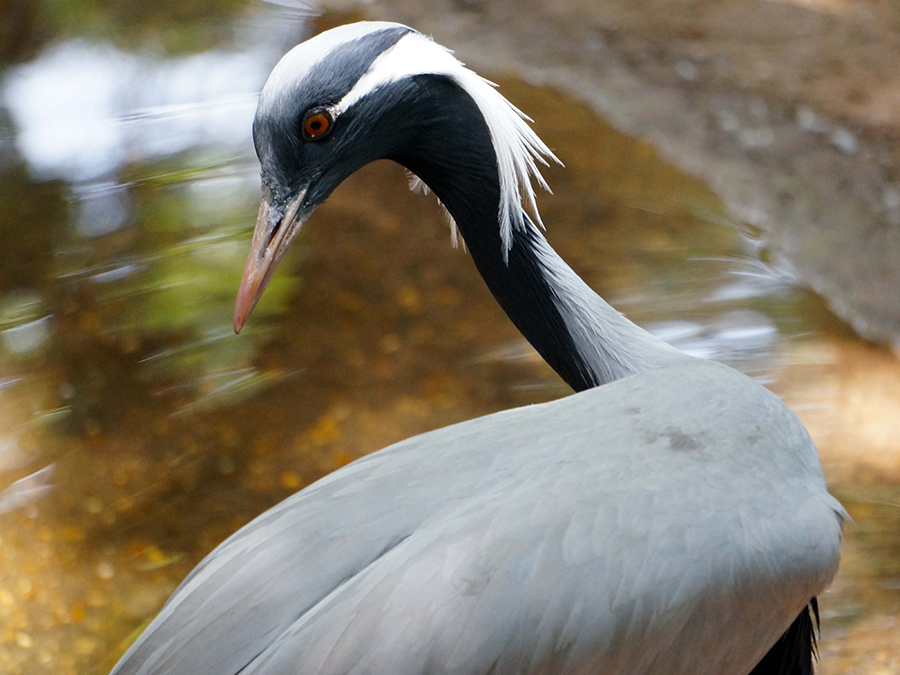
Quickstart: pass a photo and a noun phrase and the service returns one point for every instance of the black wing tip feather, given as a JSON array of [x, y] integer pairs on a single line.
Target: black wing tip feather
[[796, 651]]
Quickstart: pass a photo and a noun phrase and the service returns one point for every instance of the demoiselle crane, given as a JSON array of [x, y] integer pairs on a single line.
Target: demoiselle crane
[[674, 520]]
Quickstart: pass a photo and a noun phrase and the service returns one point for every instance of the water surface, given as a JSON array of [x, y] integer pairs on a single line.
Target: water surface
[[137, 432]]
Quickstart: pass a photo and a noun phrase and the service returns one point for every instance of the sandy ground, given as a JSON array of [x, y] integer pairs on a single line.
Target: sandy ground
[[787, 107]]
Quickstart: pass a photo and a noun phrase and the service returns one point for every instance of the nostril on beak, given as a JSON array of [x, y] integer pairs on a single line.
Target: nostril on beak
[[271, 237]]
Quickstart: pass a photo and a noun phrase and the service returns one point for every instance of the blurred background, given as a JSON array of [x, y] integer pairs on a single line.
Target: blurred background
[[731, 183]]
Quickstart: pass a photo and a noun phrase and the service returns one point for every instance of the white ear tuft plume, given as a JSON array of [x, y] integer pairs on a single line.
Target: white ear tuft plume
[[517, 147]]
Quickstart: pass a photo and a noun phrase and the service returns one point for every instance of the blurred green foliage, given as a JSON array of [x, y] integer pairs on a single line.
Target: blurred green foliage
[[32, 215], [193, 237], [170, 27]]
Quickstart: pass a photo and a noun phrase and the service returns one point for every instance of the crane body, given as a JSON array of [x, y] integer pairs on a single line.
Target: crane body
[[671, 517]]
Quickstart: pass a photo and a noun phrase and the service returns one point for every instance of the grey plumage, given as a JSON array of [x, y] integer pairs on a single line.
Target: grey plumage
[[631, 546]]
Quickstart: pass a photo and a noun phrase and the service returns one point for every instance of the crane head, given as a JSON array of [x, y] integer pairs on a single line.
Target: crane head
[[362, 92]]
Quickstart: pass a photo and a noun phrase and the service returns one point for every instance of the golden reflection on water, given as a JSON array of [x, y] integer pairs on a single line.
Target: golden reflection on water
[[165, 433]]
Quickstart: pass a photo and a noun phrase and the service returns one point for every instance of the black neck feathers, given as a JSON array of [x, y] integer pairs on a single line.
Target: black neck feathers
[[451, 151]]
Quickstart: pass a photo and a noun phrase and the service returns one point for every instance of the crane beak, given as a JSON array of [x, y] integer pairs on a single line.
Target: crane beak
[[274, 232]]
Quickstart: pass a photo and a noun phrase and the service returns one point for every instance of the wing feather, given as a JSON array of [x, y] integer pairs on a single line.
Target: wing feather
[[475, 549]]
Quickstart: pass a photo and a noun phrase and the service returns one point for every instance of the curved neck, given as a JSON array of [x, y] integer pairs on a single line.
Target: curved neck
[[583, 338]]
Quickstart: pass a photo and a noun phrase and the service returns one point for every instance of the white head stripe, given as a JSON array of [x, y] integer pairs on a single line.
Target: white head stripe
[[517, 146], [303, 58]]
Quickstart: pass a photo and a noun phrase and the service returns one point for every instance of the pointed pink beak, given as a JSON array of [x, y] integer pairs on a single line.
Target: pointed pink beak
[[271, 239]]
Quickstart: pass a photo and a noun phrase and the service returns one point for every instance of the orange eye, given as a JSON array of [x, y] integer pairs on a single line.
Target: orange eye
[[316, 124]]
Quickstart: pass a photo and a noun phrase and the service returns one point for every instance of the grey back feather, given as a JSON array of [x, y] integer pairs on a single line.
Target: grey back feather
[[631, 528]]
